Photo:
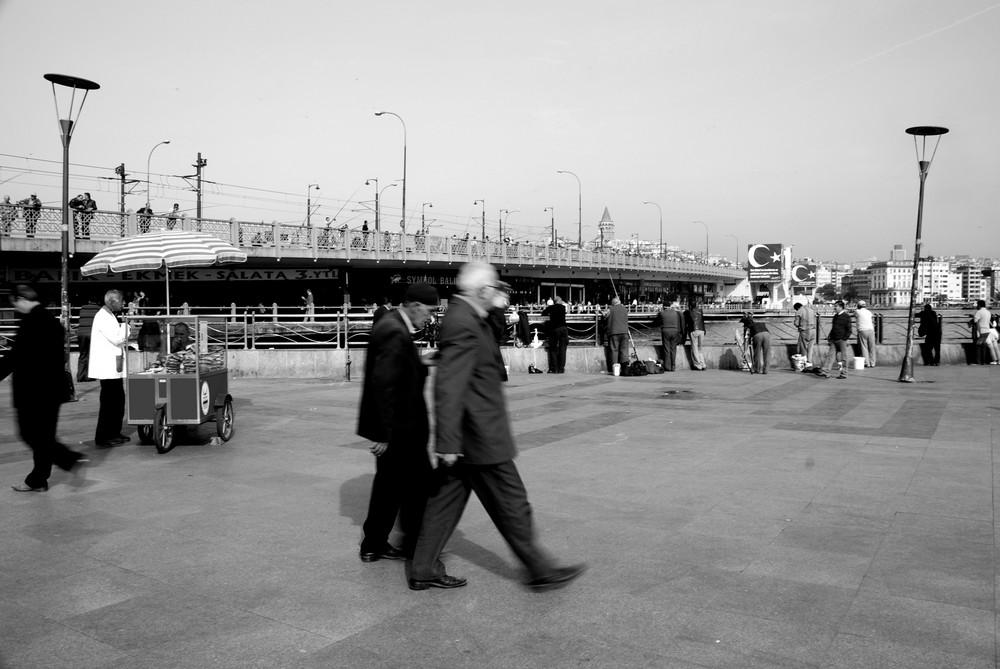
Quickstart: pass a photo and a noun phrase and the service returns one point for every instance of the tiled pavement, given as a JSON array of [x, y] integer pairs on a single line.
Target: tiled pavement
[[728, 520]]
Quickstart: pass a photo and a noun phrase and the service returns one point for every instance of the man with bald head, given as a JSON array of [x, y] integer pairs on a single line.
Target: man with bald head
[[474, 449]]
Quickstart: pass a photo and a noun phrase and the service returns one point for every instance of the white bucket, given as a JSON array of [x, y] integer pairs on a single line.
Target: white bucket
[[616, 369], [859, 363]]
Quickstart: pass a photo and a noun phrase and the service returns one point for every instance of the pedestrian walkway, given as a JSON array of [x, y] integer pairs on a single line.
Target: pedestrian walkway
[[729, 520]]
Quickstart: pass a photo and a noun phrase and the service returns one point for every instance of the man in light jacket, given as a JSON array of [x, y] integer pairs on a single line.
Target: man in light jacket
[[107, 345]]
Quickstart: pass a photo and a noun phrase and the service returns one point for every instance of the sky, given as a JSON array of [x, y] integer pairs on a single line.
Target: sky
[[746, 121]]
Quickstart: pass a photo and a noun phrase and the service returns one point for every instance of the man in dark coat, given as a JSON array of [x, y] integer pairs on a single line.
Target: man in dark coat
[[558, 335], [39, 387], [930, 330], [840, 340], [671, 323], [474, 449], [394, 417]]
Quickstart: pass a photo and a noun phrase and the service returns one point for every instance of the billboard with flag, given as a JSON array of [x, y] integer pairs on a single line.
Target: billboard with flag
[[764, 262], [804, 276]]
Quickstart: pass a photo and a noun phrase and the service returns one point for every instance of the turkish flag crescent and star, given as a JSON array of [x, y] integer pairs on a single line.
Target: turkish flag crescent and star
[[764, 262]]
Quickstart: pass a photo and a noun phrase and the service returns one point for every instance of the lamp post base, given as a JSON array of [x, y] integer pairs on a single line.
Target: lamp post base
[[906, 373]]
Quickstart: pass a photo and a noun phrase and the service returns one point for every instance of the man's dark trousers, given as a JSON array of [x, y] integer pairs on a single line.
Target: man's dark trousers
[[558, 342], [501, 492], [401, 475], [112, 412], [38, 430]]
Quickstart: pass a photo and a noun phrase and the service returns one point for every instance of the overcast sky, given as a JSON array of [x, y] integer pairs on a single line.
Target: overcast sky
[[772, 121]]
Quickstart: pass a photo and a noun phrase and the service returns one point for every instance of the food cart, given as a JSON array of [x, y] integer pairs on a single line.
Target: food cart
[[176, 379]]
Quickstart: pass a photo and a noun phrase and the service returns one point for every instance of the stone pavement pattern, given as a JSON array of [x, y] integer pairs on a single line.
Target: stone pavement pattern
[[729, 520]]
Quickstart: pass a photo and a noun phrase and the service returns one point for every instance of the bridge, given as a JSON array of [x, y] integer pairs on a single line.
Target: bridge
[[267, 244]]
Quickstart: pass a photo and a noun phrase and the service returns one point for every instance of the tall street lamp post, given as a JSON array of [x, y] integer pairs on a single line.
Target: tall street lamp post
[[553, 210], [661, 226], [423, 220], [579, 186], [503, 223], [482, 202], [66, 133], [309, 205], [378, 197], [736, 258], [389, 113], [920, 135], [368, 183], [149, 184], [706, 238]]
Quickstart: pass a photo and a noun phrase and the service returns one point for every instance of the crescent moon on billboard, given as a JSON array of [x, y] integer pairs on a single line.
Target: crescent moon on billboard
[[795, 273], [752, 255]]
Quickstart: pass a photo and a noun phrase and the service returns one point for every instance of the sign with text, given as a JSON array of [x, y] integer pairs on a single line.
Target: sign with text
[[22, 275], [764, 262]]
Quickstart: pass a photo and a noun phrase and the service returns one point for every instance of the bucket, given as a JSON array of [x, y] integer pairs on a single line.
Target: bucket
[[616, 369], [859, 363]]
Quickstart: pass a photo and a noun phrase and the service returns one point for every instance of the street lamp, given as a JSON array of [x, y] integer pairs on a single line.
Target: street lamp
[[924, 163], [483, 202], [66, 133], [706, 238], [309, 205], [423, 221], [580, 192], [736, 258], [661, 226], [389, 113], [149, 184], [553, 210], [503, 222], [378, 196]]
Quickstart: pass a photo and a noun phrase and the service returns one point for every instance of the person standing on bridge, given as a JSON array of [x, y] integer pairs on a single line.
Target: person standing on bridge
[[558, 335]]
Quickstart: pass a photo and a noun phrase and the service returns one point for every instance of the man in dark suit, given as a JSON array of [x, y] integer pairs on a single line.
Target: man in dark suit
[[474, 449], [558, 335], [39, 387], [394, 417]]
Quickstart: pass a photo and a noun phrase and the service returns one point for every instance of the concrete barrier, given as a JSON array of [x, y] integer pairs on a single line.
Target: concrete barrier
[[332, 363]]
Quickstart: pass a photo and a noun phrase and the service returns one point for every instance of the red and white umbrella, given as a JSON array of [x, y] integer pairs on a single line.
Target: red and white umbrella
[[164, 248]]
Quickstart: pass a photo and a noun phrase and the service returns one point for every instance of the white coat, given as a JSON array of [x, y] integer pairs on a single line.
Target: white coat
[[107, 342]]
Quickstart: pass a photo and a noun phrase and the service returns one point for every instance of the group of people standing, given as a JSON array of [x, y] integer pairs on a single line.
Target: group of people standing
[[675, 328], [428, 481], [41, 383]]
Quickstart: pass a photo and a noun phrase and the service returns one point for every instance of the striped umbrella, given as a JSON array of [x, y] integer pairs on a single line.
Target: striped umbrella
[[164, 248]]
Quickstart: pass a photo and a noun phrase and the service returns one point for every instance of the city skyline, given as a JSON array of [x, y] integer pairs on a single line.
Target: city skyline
[[771, 122]]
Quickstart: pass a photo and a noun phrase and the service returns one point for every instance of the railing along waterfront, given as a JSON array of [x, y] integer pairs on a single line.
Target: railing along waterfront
[[336, 329], [279, 240]]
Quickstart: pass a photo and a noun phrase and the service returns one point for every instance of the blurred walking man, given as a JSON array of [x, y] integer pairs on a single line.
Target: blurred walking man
[[474, 449], [39, 387]]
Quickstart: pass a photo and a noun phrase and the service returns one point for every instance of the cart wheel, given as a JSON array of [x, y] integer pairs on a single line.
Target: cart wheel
[[224, 420], [145, 434], [163, 434]]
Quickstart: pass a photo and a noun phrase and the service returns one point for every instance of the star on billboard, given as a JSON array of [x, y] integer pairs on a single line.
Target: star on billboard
[[764, 262], [804, 275]]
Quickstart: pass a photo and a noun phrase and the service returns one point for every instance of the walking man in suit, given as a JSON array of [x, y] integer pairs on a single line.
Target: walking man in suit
[[393, 417], [474, 449], [39, 387]]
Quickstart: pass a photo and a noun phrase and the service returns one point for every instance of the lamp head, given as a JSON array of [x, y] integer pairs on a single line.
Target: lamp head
[[926, 130]]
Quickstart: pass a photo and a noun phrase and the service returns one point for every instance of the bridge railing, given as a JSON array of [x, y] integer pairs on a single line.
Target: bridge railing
[[294, 239]]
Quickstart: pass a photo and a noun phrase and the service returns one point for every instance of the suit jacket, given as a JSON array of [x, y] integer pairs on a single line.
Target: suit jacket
[[393, 409], [470, 409], [36, 361]]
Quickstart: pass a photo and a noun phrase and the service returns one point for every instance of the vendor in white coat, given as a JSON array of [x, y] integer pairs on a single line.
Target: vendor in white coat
[[107, 364]]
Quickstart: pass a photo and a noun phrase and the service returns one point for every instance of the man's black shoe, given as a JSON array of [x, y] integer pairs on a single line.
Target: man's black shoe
[[439, 582], [557, 579], [113, 441], [27, 488], [387, 553]]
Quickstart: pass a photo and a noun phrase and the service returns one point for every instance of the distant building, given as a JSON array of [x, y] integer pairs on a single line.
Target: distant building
[[607, 227], [975, 286]]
